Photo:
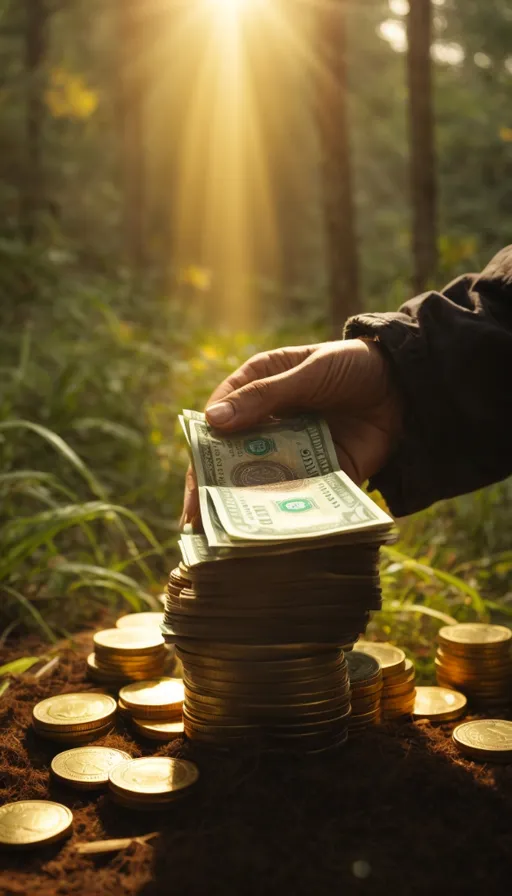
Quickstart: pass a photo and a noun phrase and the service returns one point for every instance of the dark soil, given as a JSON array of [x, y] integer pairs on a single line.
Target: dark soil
[[397, 811]]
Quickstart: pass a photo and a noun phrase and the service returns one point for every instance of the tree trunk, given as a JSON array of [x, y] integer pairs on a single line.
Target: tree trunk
[[132, 82], [421, 137], [35, 44], [336, 172]]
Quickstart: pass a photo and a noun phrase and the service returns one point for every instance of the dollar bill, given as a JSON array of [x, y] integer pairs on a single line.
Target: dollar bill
[[296, 448], [260, 491], [286, 450], [325, 506]]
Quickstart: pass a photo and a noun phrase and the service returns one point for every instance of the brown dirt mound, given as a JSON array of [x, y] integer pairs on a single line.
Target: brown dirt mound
[[397, 811]]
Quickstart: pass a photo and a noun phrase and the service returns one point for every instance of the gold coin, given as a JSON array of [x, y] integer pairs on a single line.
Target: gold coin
[[408, 673], [159, 730], [391, 658], [485, 739], [86, 767], [30, 822], [136, 620], [363, 668], [95, 672], [161, 694], [153, 777], [477, 660], [438, 704], [128, 641], [72, 712], [475, 634], [76, 737], [397, 690]]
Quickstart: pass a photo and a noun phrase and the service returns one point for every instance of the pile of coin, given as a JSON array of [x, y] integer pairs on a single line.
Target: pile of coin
[[487, 739], [398, 673], [254, 668], [475, 658], [365, 676], [74, 718], [33, 823], [438, 704], [86, 768], [154, 707], [127, 654], [276, 696], [152, 782], [282, 582]]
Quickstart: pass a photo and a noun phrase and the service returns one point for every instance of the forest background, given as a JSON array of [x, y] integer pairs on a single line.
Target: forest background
[[172, 184]]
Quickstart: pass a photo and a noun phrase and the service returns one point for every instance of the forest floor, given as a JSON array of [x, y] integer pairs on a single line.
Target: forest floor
[[398, 807]]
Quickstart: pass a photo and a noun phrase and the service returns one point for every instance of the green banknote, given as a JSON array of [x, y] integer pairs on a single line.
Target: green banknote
[[321, 507], [297, 448]]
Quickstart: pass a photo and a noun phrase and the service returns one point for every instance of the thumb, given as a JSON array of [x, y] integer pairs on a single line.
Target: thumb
[[260, 399]]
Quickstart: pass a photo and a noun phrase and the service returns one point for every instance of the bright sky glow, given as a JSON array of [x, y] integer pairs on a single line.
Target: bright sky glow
[[447, 53], [399, 7], [393, 31], [230, 5]]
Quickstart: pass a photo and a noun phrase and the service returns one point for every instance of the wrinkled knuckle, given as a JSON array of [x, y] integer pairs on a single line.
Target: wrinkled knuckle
[[258, 390]]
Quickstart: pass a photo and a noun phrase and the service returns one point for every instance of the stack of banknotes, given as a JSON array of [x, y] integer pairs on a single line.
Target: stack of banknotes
[[278, 585]]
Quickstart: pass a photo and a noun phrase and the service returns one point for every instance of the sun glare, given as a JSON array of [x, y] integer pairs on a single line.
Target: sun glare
[[230, 4]]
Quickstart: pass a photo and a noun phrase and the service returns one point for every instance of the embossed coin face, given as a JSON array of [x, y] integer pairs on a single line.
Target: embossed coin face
[[141, 620], [74, 711], [153, 776], [438, 704], [166, 693], [485, 739], [475, 633], [129, 640], [29, 822], [86, 767], [391, 658], [362, 666]]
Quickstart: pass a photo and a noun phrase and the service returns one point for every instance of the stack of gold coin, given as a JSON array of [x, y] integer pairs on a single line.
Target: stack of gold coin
[[127, 654], [86, 768], [438, 704], [154, 706], [74, 718], [257, 668], [365, 675], [487, 739], [33, 823], [151, 782], [278, 696], [398, 673], [475, 658]]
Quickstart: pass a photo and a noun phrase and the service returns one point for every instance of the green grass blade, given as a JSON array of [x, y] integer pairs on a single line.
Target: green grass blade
[[29, 607], [425, 571], [17, 667], [62, 448], [397, 607]]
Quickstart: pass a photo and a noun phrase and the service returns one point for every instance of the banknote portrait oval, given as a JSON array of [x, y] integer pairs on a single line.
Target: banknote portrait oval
[[260, 472]]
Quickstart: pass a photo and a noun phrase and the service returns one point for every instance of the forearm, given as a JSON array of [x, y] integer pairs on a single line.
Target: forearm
[[451, 354]]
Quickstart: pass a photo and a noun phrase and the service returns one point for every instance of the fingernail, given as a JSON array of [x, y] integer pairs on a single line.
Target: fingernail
[[220, 412]]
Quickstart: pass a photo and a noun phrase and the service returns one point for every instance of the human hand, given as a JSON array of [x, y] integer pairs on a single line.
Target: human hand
[[348, 382]]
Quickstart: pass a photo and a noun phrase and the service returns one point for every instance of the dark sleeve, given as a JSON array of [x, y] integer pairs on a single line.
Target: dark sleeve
[[451, 353]]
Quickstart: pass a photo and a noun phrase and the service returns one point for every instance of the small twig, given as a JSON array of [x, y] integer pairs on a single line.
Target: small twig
[[47, 668], [100, 846]]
